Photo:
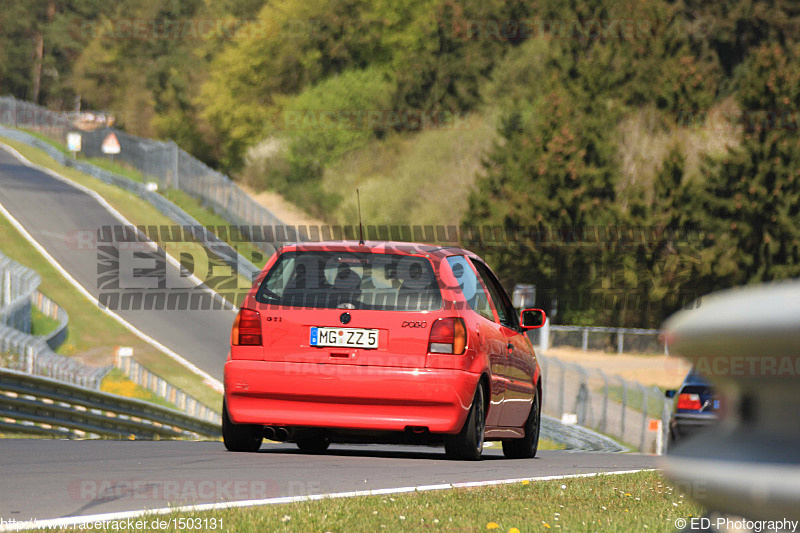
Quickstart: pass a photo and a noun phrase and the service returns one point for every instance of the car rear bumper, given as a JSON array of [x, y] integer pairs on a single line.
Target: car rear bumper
[[686, 424], [347, 396]]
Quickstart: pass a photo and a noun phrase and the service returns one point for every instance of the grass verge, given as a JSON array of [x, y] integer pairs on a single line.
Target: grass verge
[[116, 382], [635, 399], [41, 324], [643, 501]]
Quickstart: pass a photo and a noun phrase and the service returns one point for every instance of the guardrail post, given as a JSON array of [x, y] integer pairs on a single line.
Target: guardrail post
[[620, 341], [666, 406], [581, 402], [561, 389], [544, 336], [585, 339], [624, 409], [644, 418], [6, 287], [175, 169], [605, 402]]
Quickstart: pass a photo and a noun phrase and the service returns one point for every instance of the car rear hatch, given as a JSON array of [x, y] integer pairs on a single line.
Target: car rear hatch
[[348, 308]]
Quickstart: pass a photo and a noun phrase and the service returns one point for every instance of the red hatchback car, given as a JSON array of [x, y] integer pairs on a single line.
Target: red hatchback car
[[382, 342]]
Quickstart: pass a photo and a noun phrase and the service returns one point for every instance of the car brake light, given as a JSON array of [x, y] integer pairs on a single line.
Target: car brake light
[[448, 335], [246, 328], [689, 401]]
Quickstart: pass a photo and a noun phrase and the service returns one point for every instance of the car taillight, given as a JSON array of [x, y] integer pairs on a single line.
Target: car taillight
[[689, 401], [448, 335], [246, 328]]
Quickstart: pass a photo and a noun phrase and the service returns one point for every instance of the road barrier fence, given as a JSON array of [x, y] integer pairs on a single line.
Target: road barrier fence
[[159, 386], [34, 353], [43, 406], [606, 403]]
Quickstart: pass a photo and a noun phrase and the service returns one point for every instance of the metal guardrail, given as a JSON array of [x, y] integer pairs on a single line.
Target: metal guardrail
[[746, 341], [34, 353], [158, 385], [38, 405], [49, 308], [608, 404], [17, 286]]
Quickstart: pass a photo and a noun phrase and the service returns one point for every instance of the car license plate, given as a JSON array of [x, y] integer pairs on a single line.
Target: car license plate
[[344, 337]]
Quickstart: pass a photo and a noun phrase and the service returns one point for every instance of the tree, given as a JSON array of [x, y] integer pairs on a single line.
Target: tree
[[752, 196], [551, 177], [295, 44]]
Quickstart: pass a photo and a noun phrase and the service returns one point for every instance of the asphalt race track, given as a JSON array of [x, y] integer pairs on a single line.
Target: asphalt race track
[[53, 212], [51, 479]]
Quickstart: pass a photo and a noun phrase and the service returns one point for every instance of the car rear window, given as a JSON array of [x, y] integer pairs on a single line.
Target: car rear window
[[351, 280]]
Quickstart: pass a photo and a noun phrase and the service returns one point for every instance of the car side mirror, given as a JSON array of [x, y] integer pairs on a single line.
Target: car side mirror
[[532, 319], [670, 393]]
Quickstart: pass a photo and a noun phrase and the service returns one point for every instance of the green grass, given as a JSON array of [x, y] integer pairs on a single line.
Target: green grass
[[420, 179], [90, 330], [41, 324], [42, 137], [547, 444], [635, 399], [116, 382], [643, 501]]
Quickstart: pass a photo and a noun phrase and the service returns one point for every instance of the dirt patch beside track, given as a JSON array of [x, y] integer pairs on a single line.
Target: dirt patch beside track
[[656, 370]]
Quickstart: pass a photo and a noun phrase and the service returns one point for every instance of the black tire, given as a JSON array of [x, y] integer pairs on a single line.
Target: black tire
[[240, 437], [316, 443], [527, 446], [468, 443]]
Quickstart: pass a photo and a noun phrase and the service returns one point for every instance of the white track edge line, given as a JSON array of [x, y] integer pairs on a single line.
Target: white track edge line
[[213, 382], [124, 515]]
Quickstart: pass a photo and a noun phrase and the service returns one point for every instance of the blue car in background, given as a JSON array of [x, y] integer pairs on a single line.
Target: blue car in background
[[696, 407]]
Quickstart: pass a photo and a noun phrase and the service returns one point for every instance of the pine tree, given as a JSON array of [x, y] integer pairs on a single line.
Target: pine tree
[[753, 196], [552, 176]]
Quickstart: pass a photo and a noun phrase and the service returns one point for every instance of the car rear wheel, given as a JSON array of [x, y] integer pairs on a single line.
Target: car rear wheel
[[526, 447], [468, 443], [240, 437], [316, 443]]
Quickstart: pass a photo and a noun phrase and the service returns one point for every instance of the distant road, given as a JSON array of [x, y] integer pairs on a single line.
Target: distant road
[[53, 211]]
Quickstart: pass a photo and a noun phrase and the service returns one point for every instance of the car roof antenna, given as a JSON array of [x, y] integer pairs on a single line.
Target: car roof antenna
[[360, 225]]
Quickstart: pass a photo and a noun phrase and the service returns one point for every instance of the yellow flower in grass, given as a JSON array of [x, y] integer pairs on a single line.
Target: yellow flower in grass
[[492, 525], [513, 530]]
